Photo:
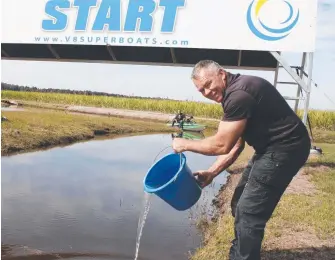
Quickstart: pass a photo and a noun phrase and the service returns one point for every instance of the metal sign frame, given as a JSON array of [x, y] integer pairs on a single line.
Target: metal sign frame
[[298, 79]]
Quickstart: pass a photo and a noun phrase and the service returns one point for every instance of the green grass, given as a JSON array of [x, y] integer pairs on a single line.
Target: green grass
[[309, 216], [319, 119], [40, 128]]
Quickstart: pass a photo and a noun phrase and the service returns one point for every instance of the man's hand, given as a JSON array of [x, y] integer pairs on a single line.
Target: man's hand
[[178, 145], [204, 178]]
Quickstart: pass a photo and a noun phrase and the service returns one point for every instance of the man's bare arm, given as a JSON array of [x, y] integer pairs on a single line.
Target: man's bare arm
[[226, 160], [220, 143]]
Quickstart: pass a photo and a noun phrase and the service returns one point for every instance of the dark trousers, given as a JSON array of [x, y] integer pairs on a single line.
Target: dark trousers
[[261, 186]]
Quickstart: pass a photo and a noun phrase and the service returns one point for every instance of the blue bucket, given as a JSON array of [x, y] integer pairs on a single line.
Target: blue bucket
[[173, 182]]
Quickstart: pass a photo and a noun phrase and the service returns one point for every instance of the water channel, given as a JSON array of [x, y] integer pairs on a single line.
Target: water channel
[[83, 201]]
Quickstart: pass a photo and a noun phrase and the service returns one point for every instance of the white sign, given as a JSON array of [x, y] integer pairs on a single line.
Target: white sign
[[272, 25]]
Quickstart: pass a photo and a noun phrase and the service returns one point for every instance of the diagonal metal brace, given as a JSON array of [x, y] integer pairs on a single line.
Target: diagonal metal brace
[[53, 51], [173, 55], [290, 71], [4, 52]]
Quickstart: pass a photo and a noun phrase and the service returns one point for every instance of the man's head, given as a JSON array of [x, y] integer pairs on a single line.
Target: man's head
[[210, 79]]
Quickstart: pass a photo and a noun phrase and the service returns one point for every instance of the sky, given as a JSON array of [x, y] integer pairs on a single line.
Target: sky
[[174, 82]]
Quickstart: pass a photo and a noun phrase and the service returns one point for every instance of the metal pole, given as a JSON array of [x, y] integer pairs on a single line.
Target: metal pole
[[309, 83], [303, 62], [276, 74]]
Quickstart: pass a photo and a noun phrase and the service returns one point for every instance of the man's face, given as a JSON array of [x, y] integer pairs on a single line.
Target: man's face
[[211, 84]]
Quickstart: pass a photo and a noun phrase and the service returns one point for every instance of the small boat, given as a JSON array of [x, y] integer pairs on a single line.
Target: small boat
[[185, 122], [189, 126]]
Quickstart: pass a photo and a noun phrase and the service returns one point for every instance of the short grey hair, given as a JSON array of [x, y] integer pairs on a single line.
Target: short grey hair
[[204, 64]]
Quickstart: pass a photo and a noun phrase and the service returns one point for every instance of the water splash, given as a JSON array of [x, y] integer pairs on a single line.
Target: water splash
[[141, 221]]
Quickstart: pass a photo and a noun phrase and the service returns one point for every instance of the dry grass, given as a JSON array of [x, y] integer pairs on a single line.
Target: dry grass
[[324, 136]]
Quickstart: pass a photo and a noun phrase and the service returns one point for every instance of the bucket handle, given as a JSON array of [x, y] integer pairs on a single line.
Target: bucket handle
[[161, 151], [181, 159]]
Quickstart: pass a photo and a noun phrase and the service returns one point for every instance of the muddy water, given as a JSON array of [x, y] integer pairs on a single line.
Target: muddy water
[[83, 202]]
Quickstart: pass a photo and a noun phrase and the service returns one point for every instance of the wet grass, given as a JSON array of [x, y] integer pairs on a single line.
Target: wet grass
[[302, 226], [40, 128]]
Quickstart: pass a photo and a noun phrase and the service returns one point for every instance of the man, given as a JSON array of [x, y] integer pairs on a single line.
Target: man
[[256, 113], [179, 118]]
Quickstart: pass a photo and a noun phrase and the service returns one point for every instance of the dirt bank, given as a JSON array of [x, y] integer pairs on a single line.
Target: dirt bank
[[121, 113], [33, 129]]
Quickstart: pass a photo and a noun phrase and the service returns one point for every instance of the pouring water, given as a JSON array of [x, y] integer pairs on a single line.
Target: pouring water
[[157, 177], [141, 221]]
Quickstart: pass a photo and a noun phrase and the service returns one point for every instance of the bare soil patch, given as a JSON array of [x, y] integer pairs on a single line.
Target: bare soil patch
[[301, 184]]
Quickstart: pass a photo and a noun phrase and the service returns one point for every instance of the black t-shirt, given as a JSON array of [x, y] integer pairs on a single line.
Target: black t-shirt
[[272, 124]]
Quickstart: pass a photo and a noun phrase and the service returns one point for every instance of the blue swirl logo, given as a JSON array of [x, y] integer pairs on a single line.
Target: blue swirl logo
[[265, 32]]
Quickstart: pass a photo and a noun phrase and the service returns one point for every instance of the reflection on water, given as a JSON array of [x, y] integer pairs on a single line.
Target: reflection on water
[[83, 201]]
